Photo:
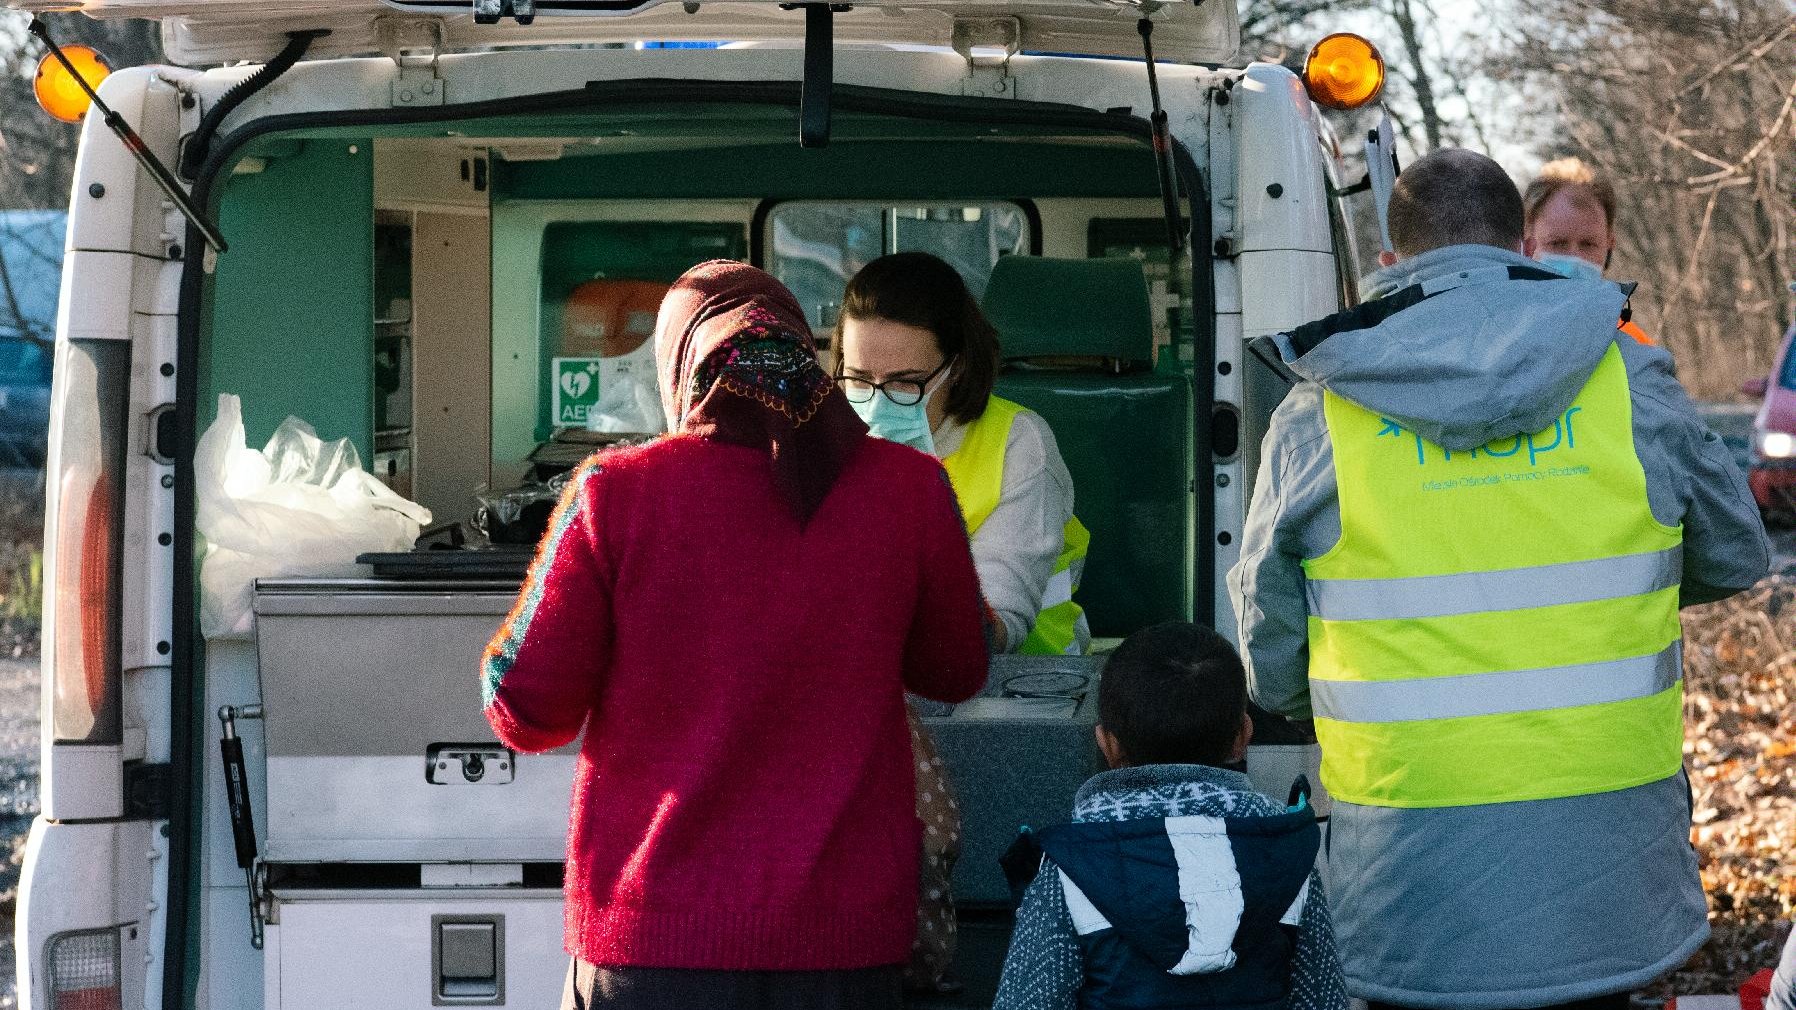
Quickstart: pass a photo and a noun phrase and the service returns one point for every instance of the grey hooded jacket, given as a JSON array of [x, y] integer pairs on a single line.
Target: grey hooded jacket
[[1516, 904]]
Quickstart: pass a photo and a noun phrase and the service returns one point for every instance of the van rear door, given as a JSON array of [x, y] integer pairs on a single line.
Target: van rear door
[[217, 31]]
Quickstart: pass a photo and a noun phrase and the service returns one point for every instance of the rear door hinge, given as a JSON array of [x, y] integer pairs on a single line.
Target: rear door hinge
[[491, 12], [147, 790], [987, 76], [415, 45]]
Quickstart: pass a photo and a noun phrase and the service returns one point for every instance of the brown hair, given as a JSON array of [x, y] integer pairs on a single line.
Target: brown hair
[[1454, 197], [917, 289], [1568, 174]]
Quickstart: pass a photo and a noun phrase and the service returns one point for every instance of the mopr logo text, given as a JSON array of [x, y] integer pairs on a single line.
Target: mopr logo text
[[1562, 436]]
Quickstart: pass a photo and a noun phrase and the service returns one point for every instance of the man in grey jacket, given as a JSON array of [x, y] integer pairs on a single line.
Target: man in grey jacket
[[1528, 844]]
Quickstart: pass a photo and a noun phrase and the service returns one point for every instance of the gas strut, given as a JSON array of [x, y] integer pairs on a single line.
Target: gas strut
[[243, 824], [159, 172], [1169, 197]]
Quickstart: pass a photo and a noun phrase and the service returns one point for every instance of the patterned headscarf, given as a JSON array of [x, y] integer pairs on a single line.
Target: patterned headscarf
[[738, 364]]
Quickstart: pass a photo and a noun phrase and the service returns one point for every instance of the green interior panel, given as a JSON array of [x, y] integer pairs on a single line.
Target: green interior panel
[[292, 322], [1124, 441]]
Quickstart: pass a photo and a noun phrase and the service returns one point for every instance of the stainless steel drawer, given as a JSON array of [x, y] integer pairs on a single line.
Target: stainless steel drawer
[[377, 748]]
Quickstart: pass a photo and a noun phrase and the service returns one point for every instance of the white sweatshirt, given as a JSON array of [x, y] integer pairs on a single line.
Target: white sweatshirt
[[1015, 549]]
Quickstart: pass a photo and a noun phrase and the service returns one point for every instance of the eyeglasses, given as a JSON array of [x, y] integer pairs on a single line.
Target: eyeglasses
[[903, 392]]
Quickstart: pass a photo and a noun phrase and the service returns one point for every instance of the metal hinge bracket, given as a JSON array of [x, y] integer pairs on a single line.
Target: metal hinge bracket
[[415, 46], [491, 12], [985, 78]]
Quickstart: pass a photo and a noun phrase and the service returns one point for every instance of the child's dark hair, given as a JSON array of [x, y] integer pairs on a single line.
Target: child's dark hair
[[1174, 694], [917, 289]]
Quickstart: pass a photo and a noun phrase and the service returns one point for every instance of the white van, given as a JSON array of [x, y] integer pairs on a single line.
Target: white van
[[406, 213]]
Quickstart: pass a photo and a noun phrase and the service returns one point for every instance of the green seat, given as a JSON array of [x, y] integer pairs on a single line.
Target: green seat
[[1078, 345]]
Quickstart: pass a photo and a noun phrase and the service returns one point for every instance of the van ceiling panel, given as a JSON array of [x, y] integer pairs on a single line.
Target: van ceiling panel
[[212, 31]]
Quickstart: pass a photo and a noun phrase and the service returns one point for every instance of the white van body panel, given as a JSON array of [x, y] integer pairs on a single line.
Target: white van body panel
[[127, 214], [58, 893], [1278, 138]]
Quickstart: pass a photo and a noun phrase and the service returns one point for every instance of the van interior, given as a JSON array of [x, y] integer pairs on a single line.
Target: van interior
[[407, 286]]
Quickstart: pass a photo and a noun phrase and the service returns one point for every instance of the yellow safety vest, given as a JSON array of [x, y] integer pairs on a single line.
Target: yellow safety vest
[[976, 470], [1499, 624]]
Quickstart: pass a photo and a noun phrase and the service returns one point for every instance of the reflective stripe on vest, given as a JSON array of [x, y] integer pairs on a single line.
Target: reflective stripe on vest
[[976, 470], [1498, 624]]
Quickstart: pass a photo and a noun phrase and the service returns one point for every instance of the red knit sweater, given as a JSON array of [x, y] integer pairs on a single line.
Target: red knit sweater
[[744, 794]]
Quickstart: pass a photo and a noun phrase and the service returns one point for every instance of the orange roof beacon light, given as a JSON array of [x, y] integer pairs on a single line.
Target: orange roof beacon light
[[1344, 71], [58, 92]]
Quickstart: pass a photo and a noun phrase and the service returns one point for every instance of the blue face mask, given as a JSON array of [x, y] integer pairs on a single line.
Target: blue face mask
[[896, 423], [1574, 267]]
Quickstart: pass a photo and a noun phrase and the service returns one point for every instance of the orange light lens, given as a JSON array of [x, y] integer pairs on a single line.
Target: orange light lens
[[1344, 72], [58, 93]]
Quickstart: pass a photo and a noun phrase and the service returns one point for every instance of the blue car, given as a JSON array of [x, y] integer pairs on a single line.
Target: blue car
[[31, 244]]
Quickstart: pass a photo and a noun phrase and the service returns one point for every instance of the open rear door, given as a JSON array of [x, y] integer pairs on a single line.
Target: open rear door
[[215, 31]]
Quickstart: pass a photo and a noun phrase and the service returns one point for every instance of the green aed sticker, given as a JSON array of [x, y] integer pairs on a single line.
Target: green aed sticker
[[576, 390]]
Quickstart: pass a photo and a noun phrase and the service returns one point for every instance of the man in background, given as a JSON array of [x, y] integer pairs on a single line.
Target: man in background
[[1568, 216]]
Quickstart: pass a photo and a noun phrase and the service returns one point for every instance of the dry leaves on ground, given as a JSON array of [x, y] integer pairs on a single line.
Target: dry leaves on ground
[[1740, 747]]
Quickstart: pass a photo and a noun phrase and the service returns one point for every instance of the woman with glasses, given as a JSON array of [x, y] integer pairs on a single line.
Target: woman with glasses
[[918, 361]]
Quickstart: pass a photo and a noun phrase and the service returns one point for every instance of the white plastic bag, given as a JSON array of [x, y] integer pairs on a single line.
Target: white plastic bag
[[300, 507]]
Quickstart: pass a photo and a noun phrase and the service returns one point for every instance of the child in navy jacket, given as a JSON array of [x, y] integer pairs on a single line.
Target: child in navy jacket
[[1176, 884]]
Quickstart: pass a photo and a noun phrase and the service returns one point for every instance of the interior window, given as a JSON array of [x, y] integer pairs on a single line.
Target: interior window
[[814, 248], [1144, 239]]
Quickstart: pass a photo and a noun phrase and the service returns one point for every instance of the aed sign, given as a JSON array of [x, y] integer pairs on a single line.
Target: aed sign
[[576, 390]]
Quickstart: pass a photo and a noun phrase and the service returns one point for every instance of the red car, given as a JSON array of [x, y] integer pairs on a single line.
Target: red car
[[1773, 471]]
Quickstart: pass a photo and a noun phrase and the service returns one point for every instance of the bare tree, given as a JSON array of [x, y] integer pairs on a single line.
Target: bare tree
[[1691, 109], [1277, 31], [1421, 80]]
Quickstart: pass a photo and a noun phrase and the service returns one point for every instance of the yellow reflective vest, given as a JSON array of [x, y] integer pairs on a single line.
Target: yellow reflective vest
[[1498, 624], [976, 470]]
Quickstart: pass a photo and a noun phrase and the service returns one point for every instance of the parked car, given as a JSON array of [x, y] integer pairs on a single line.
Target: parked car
[[1773, 470], [30, 271]]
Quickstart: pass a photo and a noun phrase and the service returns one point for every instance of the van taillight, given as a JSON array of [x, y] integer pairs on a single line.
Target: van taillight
[[84, 970], [82, 625]]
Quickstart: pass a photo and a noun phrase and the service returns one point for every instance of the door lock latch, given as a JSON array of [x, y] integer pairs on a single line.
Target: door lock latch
[[469, 764]]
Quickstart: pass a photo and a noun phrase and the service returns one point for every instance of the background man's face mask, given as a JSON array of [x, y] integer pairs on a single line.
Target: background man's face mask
[[906, 425], [1574, 267]]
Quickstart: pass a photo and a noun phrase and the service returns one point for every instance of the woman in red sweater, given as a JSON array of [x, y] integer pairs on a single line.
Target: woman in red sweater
[[734, 613]]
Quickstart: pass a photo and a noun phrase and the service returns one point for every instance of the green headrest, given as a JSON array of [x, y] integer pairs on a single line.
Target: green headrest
[[1088, 308]]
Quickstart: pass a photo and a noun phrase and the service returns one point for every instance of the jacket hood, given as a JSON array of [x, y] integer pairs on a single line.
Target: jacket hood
[[1178, 890], [1459, 349]]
